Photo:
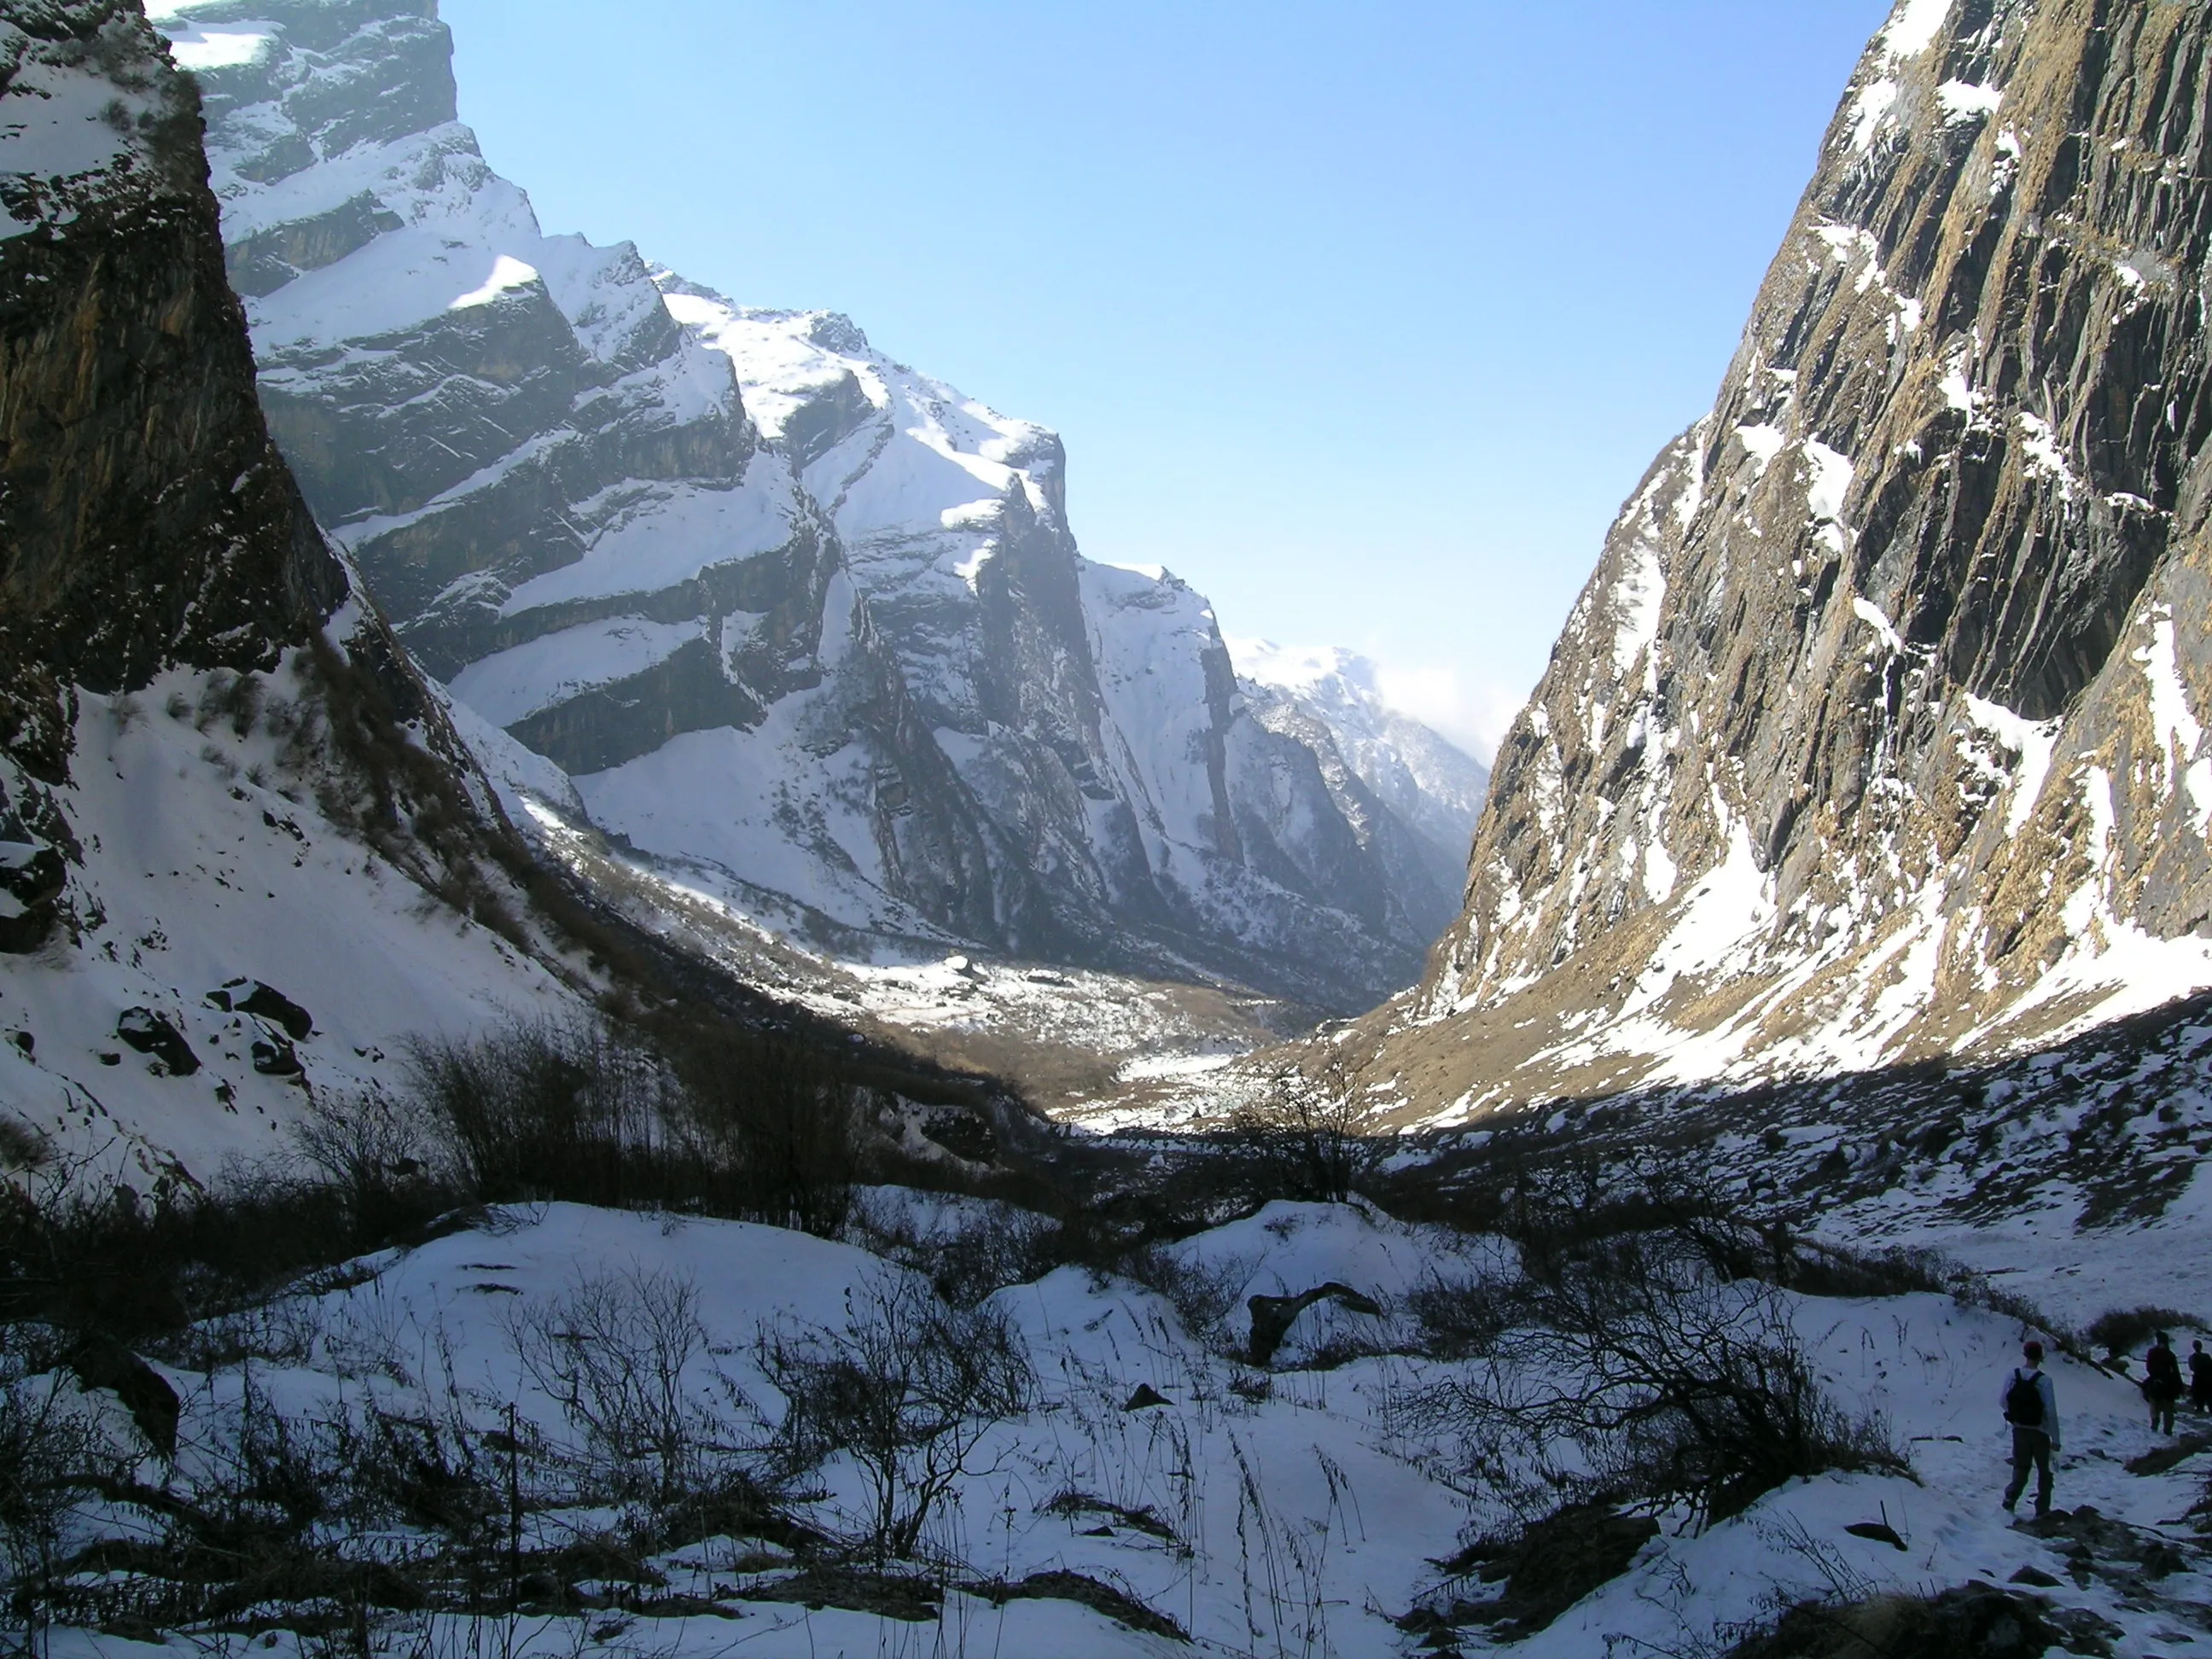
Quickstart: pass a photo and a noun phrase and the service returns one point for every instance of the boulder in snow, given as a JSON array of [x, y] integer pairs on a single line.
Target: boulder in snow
[[251, 996], [152, 1034]]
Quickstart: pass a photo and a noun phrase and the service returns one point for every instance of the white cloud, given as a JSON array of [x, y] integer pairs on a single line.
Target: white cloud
[[1473, 714]]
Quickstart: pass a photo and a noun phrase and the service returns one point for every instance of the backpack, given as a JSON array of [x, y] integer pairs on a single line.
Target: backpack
[[2165, 1369], [2024, 1402]]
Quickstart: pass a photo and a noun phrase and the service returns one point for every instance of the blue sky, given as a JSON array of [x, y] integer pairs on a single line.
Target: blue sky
[[1362, 319]]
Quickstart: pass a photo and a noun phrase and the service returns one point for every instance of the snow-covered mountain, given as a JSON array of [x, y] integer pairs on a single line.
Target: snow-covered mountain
[[242, 854], [1878, 735], [805, 626], [1332, 701]]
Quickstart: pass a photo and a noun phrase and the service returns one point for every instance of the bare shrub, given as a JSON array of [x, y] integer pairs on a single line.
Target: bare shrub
[[22, 1146], [1579, 1207], [781, 1122], [50, 1443], [373, 1149], [2122, 1330], [1305, 1137], [280, 717], [624, 1357], [908, 1386], [231, 697], [538, 1110], [1668, 1383], [90, 1256], [283, 1331], [967, 1261], [1828, 1270], [259, 1519], [744, 1125], [1459, 1318], [1204, 1293]]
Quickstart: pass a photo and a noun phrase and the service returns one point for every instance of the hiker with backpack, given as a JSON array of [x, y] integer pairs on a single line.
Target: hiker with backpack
[[2032, 1408], [2200, 1377], [2162, 1384]]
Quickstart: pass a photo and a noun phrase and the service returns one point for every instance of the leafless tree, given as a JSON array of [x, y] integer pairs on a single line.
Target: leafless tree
[[1309, 1133], [908, 1386], [625, 1358], [1669, 1383]]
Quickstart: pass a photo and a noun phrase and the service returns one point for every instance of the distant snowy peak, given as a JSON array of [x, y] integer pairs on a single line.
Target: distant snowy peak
[[1420, 773], [890, 454], [1301, 667]]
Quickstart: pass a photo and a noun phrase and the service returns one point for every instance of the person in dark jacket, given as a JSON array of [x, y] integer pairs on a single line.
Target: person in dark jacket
[[2162, 1384], [2031, 1406], [2200, 1377]]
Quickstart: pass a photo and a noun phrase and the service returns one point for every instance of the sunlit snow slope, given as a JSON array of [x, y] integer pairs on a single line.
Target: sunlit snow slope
[[806, 627]]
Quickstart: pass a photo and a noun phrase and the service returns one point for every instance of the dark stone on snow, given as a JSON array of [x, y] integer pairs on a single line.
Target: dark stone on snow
[[144, 1391], [1144, 1399], [2160, 1459], [274, 1057], [251, 996], [150, 1033], [1061, 1585], [1975, 1621], [1273, 1316], [1880, 1532], [908, 1596], [1546, 1570]]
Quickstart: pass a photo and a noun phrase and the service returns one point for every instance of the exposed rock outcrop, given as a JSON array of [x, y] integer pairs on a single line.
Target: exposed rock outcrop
[[211, 753], [1878, 734]]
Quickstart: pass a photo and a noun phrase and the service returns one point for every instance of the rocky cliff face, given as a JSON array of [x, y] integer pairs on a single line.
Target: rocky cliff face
[[237, 854], [1416, 795], [1090, 711], [1878, 734], [791, 618], [145, 519]]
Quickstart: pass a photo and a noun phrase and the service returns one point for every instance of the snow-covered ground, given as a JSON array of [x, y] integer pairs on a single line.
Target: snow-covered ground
[[1290, 1510], [208, 862]]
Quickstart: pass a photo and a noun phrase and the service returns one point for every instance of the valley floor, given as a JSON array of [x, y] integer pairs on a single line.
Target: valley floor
[[1081, 1045]]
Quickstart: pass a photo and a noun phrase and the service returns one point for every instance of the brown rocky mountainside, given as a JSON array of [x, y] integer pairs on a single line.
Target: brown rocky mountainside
[[1877, 733]]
